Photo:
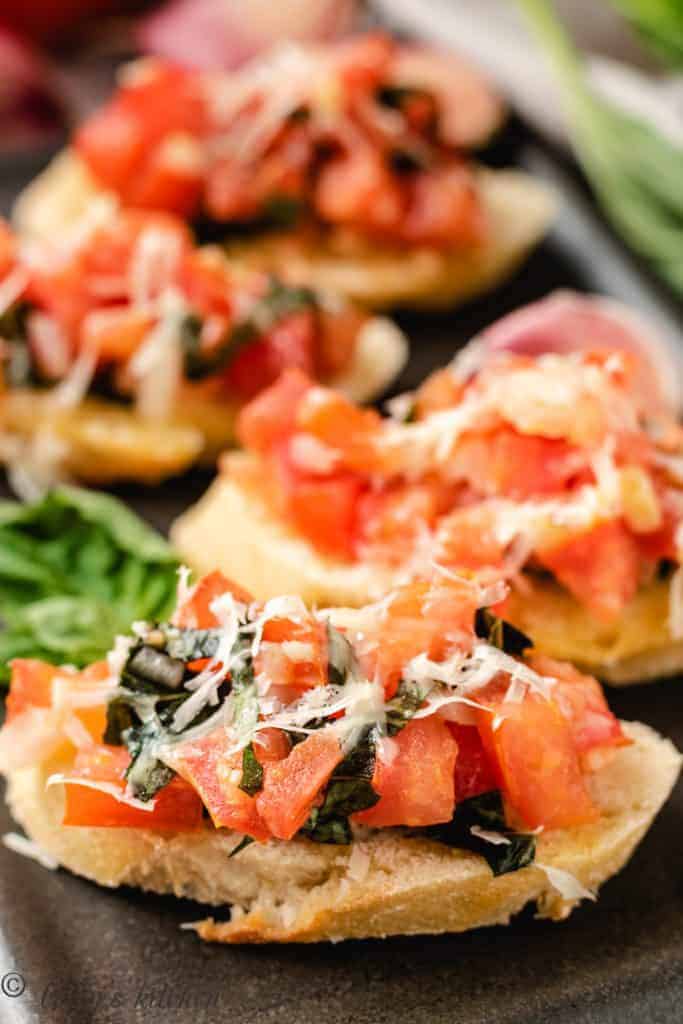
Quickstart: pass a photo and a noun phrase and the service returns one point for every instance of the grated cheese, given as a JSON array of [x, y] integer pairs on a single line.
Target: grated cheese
[[568, 885], [110, 788]]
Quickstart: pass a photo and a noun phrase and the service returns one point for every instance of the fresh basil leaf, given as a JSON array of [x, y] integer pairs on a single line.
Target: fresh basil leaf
[[500, 634], [76, 568], [486, 812], [252, 771]]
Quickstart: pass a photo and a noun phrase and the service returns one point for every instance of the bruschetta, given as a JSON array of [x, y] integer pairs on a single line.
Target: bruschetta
[[409, 767], [346, 164], [549, 453], [127, 351]]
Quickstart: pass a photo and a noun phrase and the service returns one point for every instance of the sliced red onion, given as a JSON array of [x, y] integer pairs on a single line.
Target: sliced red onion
[[30, 109]]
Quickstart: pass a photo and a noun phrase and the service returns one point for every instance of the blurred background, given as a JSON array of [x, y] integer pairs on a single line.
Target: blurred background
[[604, 77]]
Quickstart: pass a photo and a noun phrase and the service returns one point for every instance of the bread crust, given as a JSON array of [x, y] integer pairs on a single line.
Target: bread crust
[[268, 558], [383, 884], [519, 210], [103, 441]]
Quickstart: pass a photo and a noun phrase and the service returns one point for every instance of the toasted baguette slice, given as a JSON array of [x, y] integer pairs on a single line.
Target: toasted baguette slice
[[519, 210], [101, 441], [385, 884], [232, 530]]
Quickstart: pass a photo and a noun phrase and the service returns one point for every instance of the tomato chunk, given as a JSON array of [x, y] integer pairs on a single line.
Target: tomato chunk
[[341, 425], [536, 762], [196, 612], [414, 776], [291, 786], [421, 618], [176, 807], [298, 665], [216, 776], [474, 773], [271, 416], [30, 686], [287, 345], [600, 567], [582, 701]]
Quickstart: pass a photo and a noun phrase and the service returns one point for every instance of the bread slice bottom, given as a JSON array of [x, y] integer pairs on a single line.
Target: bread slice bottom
[[233, 530], [384, 884], [519, 211]]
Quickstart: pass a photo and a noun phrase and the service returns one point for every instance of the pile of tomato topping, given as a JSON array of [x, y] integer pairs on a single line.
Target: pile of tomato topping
[[136, 280], [364, 135], [543, 463], [319, 728]]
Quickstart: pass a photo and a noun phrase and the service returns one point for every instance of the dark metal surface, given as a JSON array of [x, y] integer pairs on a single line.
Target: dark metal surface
[[86, 954]]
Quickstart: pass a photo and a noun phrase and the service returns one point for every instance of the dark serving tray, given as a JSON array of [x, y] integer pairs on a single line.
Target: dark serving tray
[[77, 953]]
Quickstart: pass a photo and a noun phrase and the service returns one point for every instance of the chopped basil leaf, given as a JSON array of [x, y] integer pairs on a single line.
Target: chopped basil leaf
[[252, 771], [120, 718], [500, 633], [279, 302], [486, 812], [191, 644], [146, 774], [283, 211], [402, 707]]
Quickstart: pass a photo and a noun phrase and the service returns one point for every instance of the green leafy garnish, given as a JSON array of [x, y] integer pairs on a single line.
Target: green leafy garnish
[[402, 707], [76, 568], [516, 850], [252, 771], [500, 634], [635, 171]]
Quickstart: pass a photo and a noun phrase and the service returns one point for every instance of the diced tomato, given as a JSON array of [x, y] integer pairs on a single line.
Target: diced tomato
[[506, 463], [444, 208], [600, 567], [392, 519], [112, 143], [536, 762], [30, 686], [166, 183], [216, 776], [297, 672], [271, 416], [176, 807], [288, 345], [322, 508], [441, 390], [7, 248], [291, 786], [474, 773], [414, 776], [467, 539], [420, 618], [336, 339], [581, 700], [341, 425], [119, 141], [196, 612]]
